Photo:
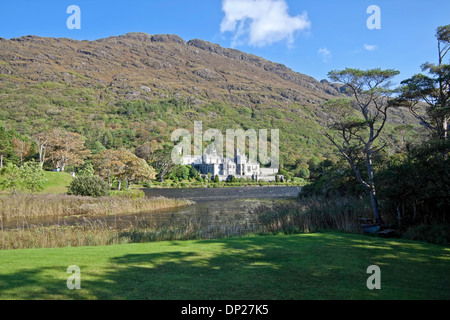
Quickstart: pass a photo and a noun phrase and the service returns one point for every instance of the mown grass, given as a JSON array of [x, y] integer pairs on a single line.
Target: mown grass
[[57, 182], [306, 266]]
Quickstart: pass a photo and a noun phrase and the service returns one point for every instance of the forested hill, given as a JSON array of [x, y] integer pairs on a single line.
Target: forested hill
[[127, 90]]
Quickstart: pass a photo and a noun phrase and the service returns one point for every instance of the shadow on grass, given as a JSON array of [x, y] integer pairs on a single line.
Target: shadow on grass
[[315, 266]]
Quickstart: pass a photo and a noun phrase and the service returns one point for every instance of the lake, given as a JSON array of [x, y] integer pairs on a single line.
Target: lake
[[210, 203], [226, 194]]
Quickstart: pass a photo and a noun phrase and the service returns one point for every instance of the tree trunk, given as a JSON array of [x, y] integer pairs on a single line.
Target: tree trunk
[[375, 209], [1, 161], [399, 215], [42, 156], [372, 190], [120, 184]]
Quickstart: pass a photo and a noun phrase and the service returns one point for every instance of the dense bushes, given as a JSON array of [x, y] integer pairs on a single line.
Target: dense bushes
[[92, 186], [416, 188], [437, 234], [413, 189]]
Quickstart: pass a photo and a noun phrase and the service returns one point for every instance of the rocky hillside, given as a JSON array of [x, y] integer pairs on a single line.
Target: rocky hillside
[[143, 66]]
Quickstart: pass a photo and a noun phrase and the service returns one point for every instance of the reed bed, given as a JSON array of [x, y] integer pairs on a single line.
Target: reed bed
[[40, 205], [97, 232], [315, 214], [311, 215]]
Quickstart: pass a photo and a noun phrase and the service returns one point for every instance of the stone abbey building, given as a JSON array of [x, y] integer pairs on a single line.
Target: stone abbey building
[[239, 167]]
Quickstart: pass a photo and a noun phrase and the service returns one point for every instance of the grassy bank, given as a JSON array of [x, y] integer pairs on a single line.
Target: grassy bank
[[308, 266], [57, 182]]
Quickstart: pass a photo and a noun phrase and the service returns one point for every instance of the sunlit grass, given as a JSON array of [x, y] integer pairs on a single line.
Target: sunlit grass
[[306, 266], [57, 182]]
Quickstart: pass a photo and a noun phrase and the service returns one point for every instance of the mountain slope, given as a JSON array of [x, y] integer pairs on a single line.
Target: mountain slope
[[127, 90], [150, 66]]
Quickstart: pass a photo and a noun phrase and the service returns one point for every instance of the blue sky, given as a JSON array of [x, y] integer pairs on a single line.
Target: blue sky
[[311, 37]]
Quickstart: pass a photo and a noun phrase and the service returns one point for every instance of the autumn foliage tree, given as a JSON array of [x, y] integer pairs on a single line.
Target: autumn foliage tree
[[21, 147], [123, 165], [66, 148]]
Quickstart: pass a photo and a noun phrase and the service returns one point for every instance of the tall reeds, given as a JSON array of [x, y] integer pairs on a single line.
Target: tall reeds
[[40, 205], [311, 215], [314, 214]]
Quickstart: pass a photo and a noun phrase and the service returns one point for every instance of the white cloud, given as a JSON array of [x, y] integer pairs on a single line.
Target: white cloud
[[370, 47], [261, 22], [325, 54]]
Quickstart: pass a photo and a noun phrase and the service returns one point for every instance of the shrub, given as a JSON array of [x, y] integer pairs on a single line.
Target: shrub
[[92, 186], [147, 185], [86, 170], [437, 234]]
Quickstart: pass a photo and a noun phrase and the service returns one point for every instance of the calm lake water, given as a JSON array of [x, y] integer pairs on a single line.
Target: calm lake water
[[209, 203], [226, 194]]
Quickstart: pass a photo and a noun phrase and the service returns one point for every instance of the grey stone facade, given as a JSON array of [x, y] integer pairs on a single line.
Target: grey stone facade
[[239, 167]]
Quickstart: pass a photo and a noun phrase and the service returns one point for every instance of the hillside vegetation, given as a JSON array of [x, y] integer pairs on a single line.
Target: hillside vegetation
[[128, 90]]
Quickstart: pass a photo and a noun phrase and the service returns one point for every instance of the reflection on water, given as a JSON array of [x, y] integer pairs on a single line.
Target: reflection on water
[[225, 194], [210, 204]]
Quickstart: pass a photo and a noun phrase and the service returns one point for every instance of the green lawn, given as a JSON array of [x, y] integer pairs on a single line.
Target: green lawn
[[307, 266], [57, 182]]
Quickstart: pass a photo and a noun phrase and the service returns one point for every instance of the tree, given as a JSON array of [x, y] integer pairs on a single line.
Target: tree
[[32, 176], [21, 148], [66, 148], [123, 165], [216, 179], [86, 170], [433, 90], [161, 160], [193, 173], [41, 140], [5, 144], [29, 176], [107, 163], [137, 170], [10, 177], [179, 172], [359, 122]]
